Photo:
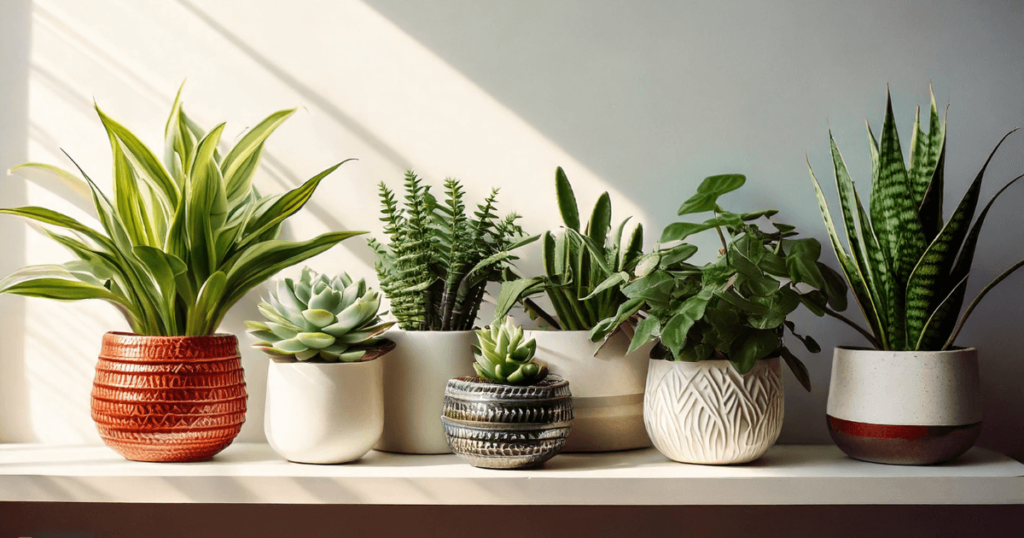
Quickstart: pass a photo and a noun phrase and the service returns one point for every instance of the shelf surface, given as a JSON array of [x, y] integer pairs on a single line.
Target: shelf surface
[[253, 473]]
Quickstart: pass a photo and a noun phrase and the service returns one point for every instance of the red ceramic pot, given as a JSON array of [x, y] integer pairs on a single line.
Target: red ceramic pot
[[168, 398]]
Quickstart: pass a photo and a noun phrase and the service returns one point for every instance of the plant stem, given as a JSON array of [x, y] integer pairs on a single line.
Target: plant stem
[[858, 328]]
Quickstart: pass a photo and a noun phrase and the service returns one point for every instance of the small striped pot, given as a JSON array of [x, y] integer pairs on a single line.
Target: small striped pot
[[168, 398], [904, 407]]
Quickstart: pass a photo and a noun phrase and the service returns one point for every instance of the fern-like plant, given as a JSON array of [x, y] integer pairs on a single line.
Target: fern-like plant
[[908, 269], [438, 260], [182, 240]]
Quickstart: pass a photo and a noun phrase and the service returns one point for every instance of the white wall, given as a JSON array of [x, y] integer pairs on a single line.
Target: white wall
[[642, 99]]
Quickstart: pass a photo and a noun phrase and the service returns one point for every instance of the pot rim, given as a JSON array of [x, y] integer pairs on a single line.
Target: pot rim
[[954, 351], [397, 329], [718, 361], [124, 334]]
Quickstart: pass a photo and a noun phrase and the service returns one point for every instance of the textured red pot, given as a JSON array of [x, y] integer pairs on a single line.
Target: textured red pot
[[168, 398]]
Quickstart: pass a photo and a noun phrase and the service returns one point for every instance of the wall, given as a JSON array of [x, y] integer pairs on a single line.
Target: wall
[[642, 99]]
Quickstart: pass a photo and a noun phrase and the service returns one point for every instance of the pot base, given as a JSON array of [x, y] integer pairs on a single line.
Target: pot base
[[902, 445]]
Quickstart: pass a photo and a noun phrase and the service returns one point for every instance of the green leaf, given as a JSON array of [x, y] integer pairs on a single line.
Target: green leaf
[[798, 368], [648, 329], [239, 164], [566, 201], [706, 198], [676, 329], [200, 318], [58, 181], [600, 223], [752, 347], [802, 261], [59, 289], [614, 281], [143, 161], [513, 292], [681, 230]]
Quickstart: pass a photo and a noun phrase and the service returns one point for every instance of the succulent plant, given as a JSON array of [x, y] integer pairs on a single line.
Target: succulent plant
[[504, 356], [576, 263], [181, 240], [908, 269], [321, 319]]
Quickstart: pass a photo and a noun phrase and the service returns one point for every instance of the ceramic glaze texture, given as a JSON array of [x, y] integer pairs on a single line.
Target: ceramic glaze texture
[[168, 399], [706, 412], [507, 426], [415, 376], [607, 388], [905, 407], [324, 412]]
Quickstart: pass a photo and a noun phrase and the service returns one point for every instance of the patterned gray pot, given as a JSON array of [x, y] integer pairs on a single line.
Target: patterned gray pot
[[506, 426]]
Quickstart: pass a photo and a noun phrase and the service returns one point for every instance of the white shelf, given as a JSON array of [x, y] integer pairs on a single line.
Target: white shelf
[[253, 473]]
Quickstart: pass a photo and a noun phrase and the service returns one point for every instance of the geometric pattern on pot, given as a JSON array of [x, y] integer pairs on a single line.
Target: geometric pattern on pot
[[169, 399], [705, 412]]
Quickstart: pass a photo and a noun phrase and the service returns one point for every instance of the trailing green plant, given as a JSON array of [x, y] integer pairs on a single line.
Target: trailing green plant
[[907, 268], [735, 307], [572, 271], [438, 260], [182, 240], [321, 319], [505, 356]]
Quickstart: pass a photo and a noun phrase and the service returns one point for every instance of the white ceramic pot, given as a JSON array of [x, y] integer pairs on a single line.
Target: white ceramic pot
[[706, 412], [607, 388], [324, 412], [415, 376], [904, 407]]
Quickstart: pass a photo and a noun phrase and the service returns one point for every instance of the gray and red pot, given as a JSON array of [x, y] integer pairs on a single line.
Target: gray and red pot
[[904, 407]]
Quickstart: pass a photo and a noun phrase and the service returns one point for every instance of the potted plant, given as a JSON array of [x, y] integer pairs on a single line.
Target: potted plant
[[512, 413], [434, 270], [714, 390], [182, 241], [608, 378], [914, 397], [325, 388]]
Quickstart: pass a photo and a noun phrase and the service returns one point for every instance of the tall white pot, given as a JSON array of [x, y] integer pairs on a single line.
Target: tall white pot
[[324, 412], [905, 407], [415, 376], [705, 412], [607, 388]]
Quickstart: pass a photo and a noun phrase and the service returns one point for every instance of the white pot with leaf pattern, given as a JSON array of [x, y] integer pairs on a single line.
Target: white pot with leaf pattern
[[706, 412]]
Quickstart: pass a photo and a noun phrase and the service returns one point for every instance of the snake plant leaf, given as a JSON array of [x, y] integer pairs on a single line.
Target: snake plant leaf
[[850, 270], [238, 165], [893, 212], [930, 211], [927, 284], [926, 169], [974, 304], [600, 223], [566, 201], [867, 255], [634, 249], [706, 198]]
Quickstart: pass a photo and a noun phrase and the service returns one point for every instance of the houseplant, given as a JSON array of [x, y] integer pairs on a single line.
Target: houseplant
[[714, 386], [608, 383], [915, 397], [434, 269], [325, 388], [513, 413], [182, 241]]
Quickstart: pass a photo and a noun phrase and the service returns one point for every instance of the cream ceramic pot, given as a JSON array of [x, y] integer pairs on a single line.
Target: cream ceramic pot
[[706, 412], [324, 412], [607, 388], [415, 375], [905, 407]]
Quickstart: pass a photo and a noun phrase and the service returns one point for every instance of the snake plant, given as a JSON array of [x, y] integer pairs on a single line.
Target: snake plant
[[576, 263], [908, 268], [438, 260], [182, 240]]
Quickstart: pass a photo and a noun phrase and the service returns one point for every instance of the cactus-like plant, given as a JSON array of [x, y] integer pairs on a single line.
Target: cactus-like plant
[[505, 356], [906, 268], [321, 319]]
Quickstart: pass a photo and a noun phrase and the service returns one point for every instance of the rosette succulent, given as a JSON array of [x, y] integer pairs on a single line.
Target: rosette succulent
[[321, 319], [505, 356]]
